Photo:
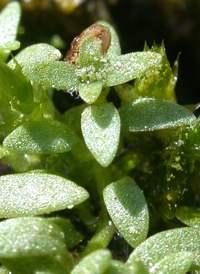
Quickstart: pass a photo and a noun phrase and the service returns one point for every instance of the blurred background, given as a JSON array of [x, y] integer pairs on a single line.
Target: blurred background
[[177, 22]]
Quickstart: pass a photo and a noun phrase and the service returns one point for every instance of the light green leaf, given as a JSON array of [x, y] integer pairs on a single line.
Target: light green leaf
[[72, 236], [127, 67], [148, 114], [4, 270], [9, 21], [90, 53], [43, 137], [100, 124], [117, 267], [95, 263], [128, 209], [28, 194], [33, 244], [166, 243], [178, 263], [114, 48], [55, 74], [10, 45], [188, 215], [36, 53], [101, 238], [89, 92]]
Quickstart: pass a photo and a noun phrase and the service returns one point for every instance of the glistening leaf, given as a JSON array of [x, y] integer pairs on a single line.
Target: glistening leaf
[[33, 244], [28, 194], [94, 263], [56, 74], [89, 92], [127, 67], [45, 136], [100, 124], [9, 20], [178, 263], [128, 210], [188, 215], [114, 48], [166, 243], [149, 114], [36, 53]]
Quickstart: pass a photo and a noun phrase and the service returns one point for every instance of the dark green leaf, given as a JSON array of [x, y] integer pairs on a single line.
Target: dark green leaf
[[149, 114], [28, 194], [72, 236], [15, 85], [188, 215], [128, 209]]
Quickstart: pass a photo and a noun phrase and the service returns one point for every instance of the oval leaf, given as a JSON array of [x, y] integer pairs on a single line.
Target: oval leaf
[[128, 209], [32, 244], [90, 92], [36, 53], [9, 21], [55, 74], [188, 215], [95, 263], [166, 243], [28, 194], [149, 114], [178, 263], [100, 126], [72, 236], [127, 67], [114, 48], [45, 136]]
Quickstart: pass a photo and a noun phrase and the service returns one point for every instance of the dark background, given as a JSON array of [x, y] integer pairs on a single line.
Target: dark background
[[177, 22]]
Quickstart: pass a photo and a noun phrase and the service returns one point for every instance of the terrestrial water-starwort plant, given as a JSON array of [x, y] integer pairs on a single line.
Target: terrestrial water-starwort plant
[[100, 189]]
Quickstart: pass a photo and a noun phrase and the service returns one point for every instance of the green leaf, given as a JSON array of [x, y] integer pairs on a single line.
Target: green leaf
[[100, 124], [28, 194], [127, 67], [149, 114], [188, 215], [117, 267], [15, 85], [43, 137], [10, 45], [95, 263], [90, 53], [128, 209], [166, 243], [36, 53], [9, 21], [114, 48], [89, 92], [178, 263], [101, 239], [4, 270], [33, 244], [55, 74], [72, 236]]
